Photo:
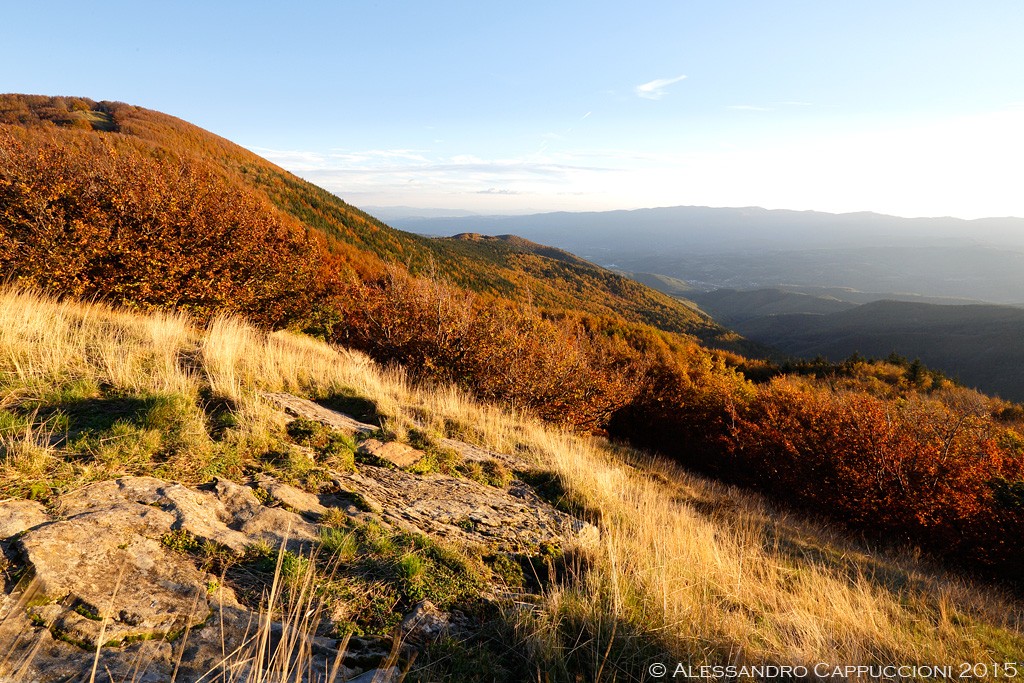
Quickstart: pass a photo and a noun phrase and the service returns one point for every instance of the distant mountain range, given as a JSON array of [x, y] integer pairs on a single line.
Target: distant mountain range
[[731, 229], [751, 248]]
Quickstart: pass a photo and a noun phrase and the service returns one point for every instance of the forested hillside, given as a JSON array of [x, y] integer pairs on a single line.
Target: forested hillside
[[977, 344]]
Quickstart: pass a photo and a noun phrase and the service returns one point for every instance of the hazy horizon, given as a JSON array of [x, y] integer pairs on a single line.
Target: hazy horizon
[[407, 211]]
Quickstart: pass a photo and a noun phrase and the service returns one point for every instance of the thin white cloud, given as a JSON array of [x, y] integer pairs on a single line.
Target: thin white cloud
[[655, 90], [390, 176]]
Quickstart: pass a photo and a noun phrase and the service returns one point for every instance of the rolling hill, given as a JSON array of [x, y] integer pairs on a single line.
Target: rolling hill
[[506, 268], [979, 345], [735, 306]]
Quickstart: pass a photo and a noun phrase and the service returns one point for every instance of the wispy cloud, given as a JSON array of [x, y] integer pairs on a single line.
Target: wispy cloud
[[749, 107], [655, 90], [382, 173]]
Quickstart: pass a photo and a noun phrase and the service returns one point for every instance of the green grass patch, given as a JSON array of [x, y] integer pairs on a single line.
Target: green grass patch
[[436, 457], [332, 448], [12, 423], [484, 657], [340, 544], [368, 575], [83, 432], [181, 541], [489, 472], [507, 569]]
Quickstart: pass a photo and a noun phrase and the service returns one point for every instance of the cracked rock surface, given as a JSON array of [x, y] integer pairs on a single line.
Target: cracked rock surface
[[99, 568], [461, 510]]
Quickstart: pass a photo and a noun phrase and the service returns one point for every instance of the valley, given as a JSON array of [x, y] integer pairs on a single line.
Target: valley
[[791, 280]]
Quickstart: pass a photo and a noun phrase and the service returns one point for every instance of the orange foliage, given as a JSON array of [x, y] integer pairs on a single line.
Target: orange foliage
[[921, 469], [84, 216], [498, 350], [934, 471]]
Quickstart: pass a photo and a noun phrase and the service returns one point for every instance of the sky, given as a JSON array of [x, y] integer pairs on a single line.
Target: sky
[[912, 108]]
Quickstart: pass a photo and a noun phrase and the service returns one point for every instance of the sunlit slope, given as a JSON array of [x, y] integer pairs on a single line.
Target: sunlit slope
[[684, 569], [509, 268]]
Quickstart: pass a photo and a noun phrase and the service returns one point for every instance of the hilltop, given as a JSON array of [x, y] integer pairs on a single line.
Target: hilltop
[[360, 244]]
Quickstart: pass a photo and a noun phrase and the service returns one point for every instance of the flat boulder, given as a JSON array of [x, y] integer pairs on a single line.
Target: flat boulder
[[105, 571], [465, 511], [105, 576], [301, 407]]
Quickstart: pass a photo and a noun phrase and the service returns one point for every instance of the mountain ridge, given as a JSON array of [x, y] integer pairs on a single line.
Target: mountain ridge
[[751, 248]]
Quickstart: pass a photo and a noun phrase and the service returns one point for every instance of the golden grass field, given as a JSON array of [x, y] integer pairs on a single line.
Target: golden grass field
[[685, 569]]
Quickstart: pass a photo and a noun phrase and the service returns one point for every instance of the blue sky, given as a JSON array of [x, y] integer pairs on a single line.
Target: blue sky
[[911, 108]]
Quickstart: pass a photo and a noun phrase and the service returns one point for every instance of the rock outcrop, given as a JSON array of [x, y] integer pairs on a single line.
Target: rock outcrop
[[104, 567], [464, 511]]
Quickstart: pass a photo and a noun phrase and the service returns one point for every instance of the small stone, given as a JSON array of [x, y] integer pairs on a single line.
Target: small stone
[[295, 499], [377, 676], [300, 407], [275, 526], [425, 623], [398, 454]]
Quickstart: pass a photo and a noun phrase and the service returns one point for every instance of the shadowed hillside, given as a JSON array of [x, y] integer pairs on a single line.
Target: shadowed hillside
[[736, 306], [982, 346]]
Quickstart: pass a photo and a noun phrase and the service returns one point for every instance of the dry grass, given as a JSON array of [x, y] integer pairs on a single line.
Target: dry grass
[[706, 573], [276, 647]]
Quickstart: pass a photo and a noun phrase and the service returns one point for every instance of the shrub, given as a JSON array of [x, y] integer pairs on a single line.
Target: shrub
[[89, 217]]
